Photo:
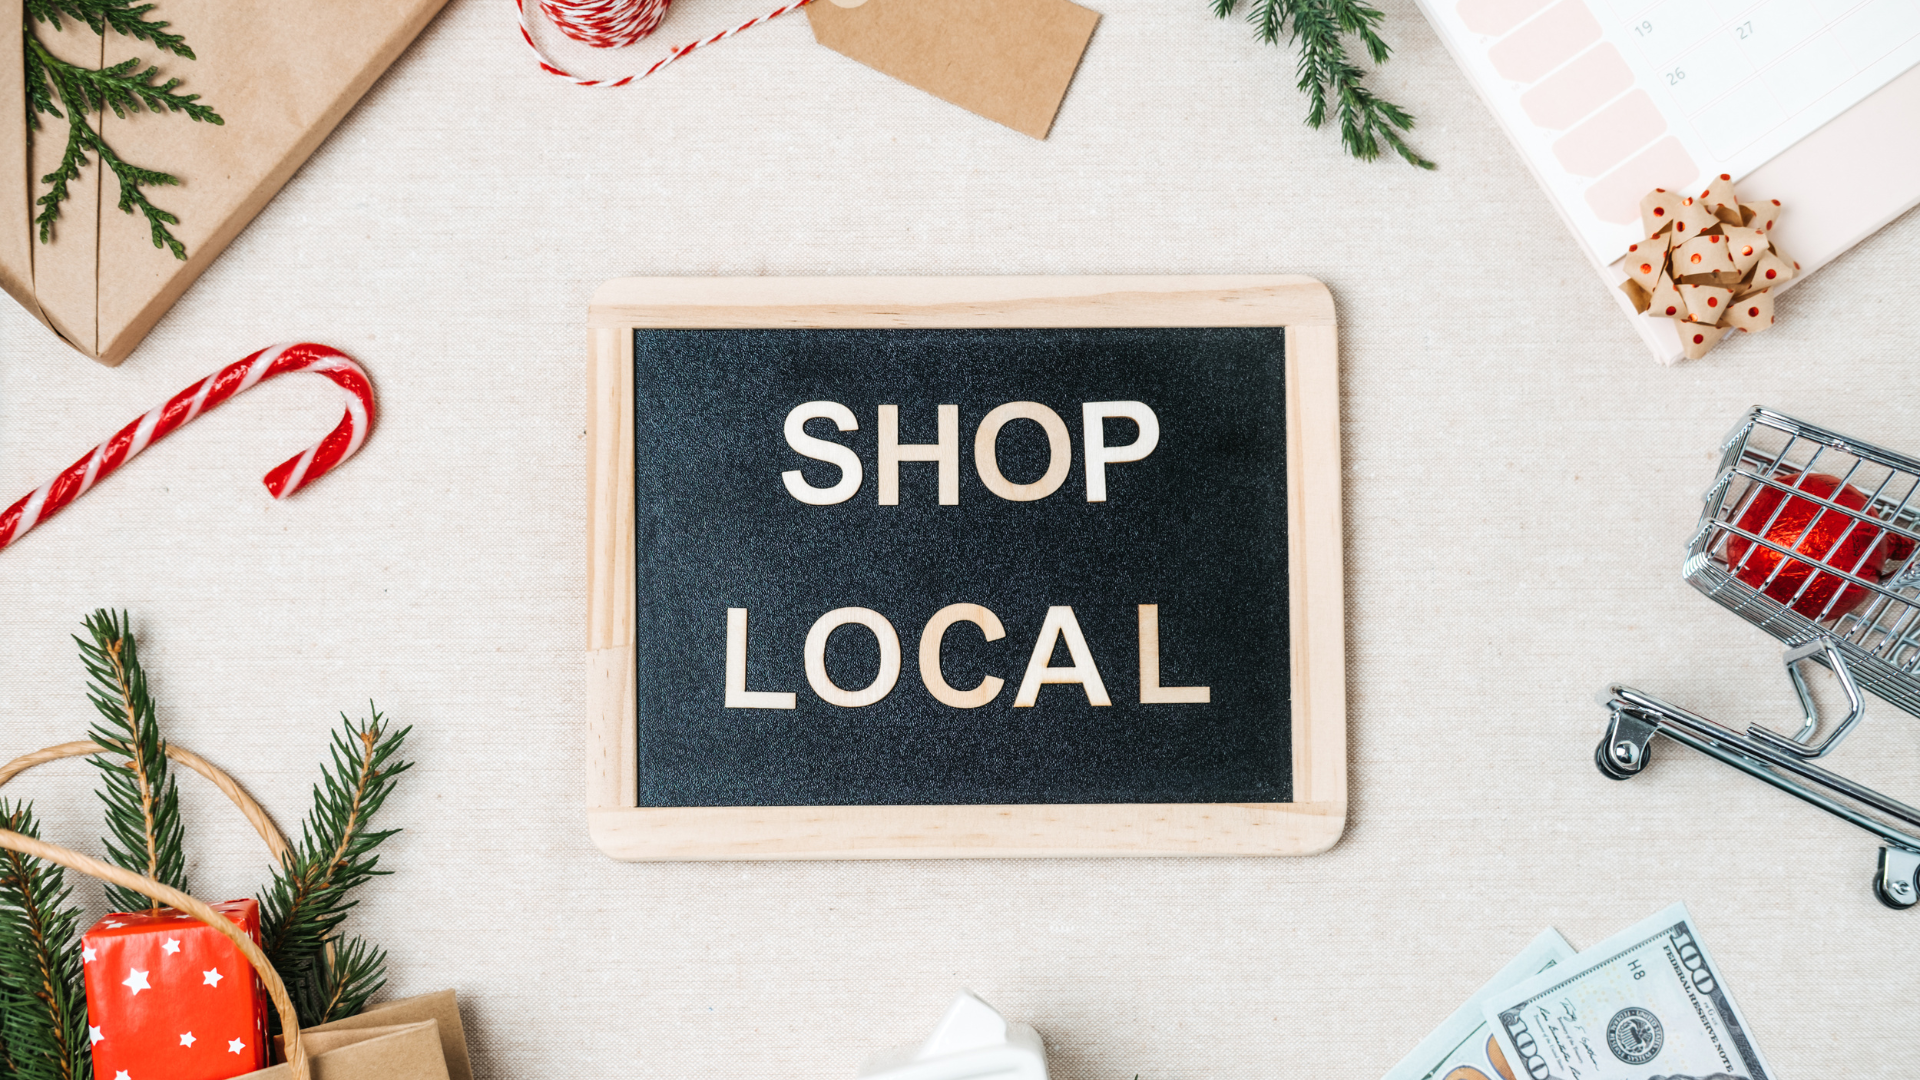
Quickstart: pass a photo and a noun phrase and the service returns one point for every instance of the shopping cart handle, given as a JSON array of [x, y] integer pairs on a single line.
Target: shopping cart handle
[[1800, 744]]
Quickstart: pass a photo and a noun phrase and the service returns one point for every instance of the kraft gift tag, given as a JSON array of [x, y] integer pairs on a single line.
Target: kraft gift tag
[[1008, 60]]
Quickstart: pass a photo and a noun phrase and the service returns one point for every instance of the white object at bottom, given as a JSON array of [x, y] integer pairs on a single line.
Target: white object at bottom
[[972, 1042]]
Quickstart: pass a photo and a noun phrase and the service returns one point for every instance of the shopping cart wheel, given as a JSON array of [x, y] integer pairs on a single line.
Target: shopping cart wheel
[[1623, 753], [1897, 883], [1604, 760]]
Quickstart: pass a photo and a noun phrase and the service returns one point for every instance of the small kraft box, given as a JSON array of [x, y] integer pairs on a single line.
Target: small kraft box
[[169, 997]]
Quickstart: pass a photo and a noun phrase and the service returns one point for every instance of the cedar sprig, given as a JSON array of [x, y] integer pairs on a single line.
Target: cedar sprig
[[120, 16], [313, 893], [127, 87], [43, 1010], [1330, 79], [143, 803]]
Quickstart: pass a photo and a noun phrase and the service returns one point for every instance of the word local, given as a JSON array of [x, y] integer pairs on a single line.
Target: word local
[[946, 452], [1060, 624]]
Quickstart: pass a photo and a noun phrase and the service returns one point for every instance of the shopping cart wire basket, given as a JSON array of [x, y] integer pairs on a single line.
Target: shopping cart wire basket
[[1815, 538]]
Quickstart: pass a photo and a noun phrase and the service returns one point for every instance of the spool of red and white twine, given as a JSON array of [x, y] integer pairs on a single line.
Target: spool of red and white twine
[[615, 24], [286, 478]]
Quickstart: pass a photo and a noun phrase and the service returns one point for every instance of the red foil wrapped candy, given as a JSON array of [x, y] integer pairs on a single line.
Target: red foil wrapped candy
[[1821, 533]]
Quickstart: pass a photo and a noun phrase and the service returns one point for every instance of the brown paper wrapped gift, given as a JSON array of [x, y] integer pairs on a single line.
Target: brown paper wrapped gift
[[281, 75], [419, 1038], [383, 1020]]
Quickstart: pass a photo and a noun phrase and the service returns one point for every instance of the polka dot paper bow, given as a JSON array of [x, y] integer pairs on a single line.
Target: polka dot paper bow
[[1708, 264]]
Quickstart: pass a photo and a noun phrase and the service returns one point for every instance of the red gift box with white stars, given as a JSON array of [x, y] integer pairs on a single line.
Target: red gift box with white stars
[[170, 998]]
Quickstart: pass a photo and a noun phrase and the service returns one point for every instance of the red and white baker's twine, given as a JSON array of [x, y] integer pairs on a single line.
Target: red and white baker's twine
[[285, 479], [612, 24]]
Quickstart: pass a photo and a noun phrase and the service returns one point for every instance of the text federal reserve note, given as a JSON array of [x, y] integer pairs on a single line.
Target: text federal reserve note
[[1646, 1002], [1462, 1048]]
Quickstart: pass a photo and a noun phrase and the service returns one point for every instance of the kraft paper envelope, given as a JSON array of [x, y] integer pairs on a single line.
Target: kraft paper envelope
[[281, 74], [1008, 60], [442, 1007], [397, 1052]]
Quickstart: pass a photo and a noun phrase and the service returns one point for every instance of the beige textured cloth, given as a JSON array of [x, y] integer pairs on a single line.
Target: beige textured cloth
[[1520, 480]]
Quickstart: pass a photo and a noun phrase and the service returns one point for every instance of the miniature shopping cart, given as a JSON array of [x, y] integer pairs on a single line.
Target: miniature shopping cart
[[1814, 538]]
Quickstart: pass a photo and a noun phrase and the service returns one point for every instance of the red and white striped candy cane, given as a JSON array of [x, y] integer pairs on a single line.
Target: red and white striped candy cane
[[285, 479], [613, 23]]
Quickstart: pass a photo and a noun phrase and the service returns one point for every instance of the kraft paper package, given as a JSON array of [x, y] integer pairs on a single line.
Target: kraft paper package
[[415, 1039], [281, 76]]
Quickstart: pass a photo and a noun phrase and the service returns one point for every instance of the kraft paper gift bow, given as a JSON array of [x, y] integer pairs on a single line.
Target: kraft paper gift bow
[[1708, 263], [1007, 60], [418, 1038], [282, 75]]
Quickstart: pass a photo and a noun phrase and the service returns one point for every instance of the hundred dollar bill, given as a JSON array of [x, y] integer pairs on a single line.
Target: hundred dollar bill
[[1645, 1003], [1462, 1048]]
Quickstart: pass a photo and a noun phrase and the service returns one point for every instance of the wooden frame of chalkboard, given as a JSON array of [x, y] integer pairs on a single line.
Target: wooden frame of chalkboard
[[1316, 815]]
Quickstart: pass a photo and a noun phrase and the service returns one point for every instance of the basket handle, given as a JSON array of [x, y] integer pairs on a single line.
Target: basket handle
[[255, 814], [179, 901]]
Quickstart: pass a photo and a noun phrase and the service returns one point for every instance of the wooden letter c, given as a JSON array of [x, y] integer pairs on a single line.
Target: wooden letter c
[[936, 632]]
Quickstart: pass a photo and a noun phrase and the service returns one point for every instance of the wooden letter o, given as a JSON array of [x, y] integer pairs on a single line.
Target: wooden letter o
[[1059, 451], [816, 654], [930, 639]]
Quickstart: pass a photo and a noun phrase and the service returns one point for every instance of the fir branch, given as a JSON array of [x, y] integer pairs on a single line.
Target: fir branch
[[43, 1012], [120, 16], [312, 895], [1332, 81], [342, 986], [143, 804]]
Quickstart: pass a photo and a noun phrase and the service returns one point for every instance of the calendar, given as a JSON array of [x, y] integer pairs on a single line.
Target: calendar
[[1608, 99]]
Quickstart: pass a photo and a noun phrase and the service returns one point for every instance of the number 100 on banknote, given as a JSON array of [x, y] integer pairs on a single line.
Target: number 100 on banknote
[[1646, 1003]]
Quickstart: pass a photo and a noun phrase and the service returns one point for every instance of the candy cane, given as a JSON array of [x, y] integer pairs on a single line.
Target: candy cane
[[285, 479], [607, 23]]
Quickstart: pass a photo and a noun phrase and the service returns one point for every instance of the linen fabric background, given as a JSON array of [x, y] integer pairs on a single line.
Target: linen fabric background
[[1520, 479]]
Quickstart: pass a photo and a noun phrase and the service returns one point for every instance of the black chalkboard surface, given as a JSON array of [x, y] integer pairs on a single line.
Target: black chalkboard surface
[[1198, 528], [885, 567]]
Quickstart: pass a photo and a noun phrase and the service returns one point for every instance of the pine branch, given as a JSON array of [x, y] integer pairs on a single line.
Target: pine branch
[[1331, 81], [120, 16], [342, 987], [312, 895], [43, 1012], [127, 87], [143, 804]]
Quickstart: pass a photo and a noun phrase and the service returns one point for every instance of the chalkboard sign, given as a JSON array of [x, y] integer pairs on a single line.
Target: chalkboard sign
[[964, 567]]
